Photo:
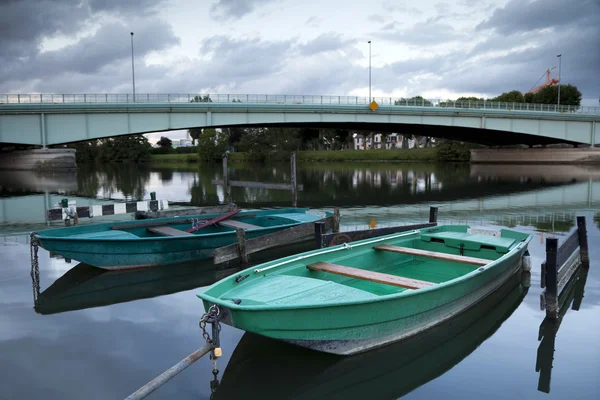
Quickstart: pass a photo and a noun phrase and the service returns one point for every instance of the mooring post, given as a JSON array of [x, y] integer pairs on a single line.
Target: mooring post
[[336, 220], [551, 278], [319, 232], [433, 213], [583, 243], [226, 187], [294, 180], [241, 237]]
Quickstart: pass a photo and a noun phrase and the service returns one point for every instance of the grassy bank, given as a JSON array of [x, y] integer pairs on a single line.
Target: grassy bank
[[398, 155]]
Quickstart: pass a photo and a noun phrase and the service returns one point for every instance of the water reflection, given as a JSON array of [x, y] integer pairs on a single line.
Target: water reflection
[[85, 286], [573, 292], [292, 372]]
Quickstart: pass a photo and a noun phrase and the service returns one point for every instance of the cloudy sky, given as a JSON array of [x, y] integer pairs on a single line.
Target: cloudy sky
[[432, 48]]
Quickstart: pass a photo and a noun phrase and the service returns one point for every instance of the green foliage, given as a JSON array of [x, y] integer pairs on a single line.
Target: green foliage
[[529, 97], [131, 148], [269, 143], [212, 145], [201, 99], [513, 96], [450, 150], [195, 134], [165, 142], [569, 95], [414, 101]]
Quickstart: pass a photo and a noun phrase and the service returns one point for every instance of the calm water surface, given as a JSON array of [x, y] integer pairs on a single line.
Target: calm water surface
[[88, 333]]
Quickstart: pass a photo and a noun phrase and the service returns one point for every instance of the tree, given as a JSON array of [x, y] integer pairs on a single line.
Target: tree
[[194, 134], [513, 96], [165, 143], [201, 99], [569, 95], [212, 145], [414, 101]]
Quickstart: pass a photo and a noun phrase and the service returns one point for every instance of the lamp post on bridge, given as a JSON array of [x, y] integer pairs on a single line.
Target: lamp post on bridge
[[132, 67], [559, 62], [370, 71]]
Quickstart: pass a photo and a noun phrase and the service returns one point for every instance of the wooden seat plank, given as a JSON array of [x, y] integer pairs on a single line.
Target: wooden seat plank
[[168, 231], [433, 254], [370, 275], [238, 224]]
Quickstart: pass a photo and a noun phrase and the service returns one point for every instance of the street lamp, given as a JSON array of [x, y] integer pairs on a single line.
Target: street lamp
[[369, 71], [132, 67], [559, 60]]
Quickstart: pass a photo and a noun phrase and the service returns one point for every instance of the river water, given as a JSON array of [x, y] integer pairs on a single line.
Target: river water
[[70, 331]]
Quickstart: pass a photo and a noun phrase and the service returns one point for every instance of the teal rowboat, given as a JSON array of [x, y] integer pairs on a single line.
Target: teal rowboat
[[389, 372], [162, 241], [357, 296]]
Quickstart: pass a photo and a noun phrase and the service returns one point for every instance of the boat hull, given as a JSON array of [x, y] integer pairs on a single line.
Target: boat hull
[[114, 249], [355, 328]]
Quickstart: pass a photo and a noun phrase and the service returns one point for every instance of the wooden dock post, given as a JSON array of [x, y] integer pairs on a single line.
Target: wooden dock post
[[241, 237], [226, 186], [319, 232], [583, 243], [551, 300], [336, 220], [433, 214], [294, 180]]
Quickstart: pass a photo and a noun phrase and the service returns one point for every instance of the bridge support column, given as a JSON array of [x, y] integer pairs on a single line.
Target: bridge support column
[[43, 130], [594, 142], [38, 159]]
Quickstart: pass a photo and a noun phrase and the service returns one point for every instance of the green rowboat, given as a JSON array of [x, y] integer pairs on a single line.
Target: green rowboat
[[162, 241], [389, 372], [357, 296]]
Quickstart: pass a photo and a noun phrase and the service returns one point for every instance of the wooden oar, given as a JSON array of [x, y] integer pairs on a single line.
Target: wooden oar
[[213, 221]]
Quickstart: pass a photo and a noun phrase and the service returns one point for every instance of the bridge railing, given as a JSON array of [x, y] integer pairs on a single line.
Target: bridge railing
[[160, 98]]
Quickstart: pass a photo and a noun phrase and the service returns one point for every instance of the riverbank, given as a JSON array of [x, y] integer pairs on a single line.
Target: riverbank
[[391, 155]]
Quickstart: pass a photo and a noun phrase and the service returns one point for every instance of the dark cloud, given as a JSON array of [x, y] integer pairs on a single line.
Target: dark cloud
[[79, 66], [524, 16], [235, 9], [89, 56]]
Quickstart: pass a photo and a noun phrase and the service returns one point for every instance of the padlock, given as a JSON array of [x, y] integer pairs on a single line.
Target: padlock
[[217, 352]]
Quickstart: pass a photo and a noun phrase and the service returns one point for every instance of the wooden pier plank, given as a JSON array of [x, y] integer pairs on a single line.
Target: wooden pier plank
[[378, 277], [433, 254]]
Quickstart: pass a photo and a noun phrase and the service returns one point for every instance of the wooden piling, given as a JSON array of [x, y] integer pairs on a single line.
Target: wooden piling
[[226, 186], [336, 220], [241, 237], [319, 232], [294, 180], [551, 301], [433, 214], [583, 243]]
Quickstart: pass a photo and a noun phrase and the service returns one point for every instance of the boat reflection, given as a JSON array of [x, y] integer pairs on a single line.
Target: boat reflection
[[85, 286], [389, 372], [573, 292]]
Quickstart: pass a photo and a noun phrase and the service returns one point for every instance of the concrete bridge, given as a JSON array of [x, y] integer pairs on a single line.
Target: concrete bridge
[[56, 119]]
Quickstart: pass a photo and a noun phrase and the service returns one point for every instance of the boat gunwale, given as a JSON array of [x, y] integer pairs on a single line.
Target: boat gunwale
[[406, 293], [40, 234]]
